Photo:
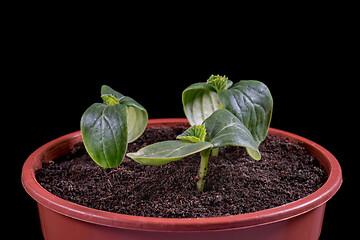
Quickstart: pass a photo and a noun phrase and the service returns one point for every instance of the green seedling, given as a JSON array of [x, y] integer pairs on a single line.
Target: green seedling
[[222, 128], [220, 114], [249, 100], [108, 127]]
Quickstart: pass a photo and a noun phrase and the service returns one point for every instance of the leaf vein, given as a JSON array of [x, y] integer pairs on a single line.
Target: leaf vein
[[102, 135]]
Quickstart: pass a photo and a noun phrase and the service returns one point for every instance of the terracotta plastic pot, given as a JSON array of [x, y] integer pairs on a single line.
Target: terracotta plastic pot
[[60, 219]]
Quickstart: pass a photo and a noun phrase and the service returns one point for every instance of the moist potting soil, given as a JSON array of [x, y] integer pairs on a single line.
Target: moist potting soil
[[235, 183]]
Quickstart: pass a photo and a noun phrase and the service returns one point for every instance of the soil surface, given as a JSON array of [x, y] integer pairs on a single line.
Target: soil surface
[[235, 183]]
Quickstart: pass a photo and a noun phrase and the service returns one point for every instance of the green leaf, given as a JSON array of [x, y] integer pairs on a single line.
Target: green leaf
[[104, 132], [137, 116], [168, 151], [200, 100], [252, 103], [108, 90], [136, 121], [224, 129]]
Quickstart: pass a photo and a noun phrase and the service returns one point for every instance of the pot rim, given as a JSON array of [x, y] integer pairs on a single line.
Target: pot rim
[[280, 213]]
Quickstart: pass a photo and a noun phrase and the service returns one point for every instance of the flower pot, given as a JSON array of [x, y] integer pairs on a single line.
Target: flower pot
[[61, 219]]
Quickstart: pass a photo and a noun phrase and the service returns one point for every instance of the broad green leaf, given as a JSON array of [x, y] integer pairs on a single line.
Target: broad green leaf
[[137, 116], [104, 132], [108, 90], [136, 122], [200, 100], [224, 129], [168, 151], [252, 103]]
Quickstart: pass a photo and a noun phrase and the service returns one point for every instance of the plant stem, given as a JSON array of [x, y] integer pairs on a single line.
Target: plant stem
[[203, 168], [215, 152]]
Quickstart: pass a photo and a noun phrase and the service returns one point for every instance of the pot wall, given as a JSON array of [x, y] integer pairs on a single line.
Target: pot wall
[[61, 219], [56, 226]]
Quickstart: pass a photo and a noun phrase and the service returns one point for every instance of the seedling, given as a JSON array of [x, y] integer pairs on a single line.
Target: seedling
[[108, 127], [249, 100], [222, 128], [220, 115]]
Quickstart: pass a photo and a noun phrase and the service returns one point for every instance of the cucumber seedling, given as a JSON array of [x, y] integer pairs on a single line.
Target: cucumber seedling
[[108, 127], [220, 114]]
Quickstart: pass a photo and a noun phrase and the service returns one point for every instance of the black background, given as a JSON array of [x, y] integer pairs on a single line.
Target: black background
[[54, 77]]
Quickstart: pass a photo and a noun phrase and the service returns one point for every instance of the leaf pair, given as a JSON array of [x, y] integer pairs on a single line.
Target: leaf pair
[[249, 100], [220, 129], [108, 127]]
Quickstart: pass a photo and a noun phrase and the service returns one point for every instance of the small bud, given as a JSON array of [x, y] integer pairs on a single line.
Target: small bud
[[194, 134], [218, 82], [110, 99]]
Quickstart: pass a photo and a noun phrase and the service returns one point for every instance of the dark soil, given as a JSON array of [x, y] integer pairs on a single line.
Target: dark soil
[[235, 183]]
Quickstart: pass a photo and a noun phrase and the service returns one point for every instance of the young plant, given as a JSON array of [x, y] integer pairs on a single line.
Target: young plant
[[222, 128], [249, 100], [220, 114], [108, 127]]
